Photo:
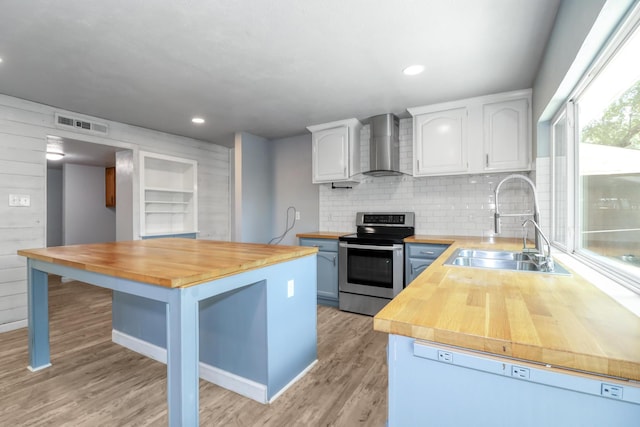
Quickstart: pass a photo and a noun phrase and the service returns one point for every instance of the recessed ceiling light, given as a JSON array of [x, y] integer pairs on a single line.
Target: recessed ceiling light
[[198, 120], [412, 70], [0, 59], [54, 156]]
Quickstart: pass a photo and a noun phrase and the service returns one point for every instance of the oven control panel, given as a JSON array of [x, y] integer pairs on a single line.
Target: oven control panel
[[401, 219]]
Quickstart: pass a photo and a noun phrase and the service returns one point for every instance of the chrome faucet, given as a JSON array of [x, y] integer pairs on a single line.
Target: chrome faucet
[[536, 207], [547, 263]]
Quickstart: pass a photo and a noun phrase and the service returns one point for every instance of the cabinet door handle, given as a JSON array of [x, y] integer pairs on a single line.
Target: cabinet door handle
[[487, 161], [427, 252], [333, 260], [419, 267]]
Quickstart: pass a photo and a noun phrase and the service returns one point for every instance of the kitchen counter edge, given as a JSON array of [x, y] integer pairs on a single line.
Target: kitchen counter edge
[[421, 312]]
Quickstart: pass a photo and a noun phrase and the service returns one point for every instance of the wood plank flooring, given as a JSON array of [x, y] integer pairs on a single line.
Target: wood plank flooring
[[94, 382]]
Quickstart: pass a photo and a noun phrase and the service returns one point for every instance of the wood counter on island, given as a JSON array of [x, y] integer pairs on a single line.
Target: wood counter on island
[[546, 324], [245, 313]]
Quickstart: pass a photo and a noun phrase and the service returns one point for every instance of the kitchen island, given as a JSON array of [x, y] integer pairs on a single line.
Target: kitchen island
[[269, 291], [471, 346]]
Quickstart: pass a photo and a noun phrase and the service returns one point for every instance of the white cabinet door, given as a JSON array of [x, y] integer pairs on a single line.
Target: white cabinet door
[[336, 151], [440, 142], [330, 154], [506, 135]]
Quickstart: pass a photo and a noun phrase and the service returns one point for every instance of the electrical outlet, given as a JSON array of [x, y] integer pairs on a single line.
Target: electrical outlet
[[520, 372], [612, 391], [445, 356], [290, 287], [297, 215], [19, 200]]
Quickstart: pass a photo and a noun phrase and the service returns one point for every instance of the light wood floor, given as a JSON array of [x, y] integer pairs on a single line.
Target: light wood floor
[[94, 382]]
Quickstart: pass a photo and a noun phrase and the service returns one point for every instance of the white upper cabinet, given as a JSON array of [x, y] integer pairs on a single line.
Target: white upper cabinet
[[336, 151], [507, 143], [440, 142], [486, 134]]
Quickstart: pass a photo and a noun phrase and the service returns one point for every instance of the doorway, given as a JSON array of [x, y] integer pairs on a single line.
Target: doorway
[[77, 211]]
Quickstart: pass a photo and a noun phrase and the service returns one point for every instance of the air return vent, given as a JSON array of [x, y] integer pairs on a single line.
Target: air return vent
[[68, 122]]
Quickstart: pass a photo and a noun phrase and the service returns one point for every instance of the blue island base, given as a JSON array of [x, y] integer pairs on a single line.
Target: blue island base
[[255, 340]]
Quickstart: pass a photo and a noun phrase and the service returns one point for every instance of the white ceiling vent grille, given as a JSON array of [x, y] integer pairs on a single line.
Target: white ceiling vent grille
[[68, 122]]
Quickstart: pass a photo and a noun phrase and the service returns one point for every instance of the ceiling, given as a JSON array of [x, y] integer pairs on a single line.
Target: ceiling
[[80, 153], [268, 68]]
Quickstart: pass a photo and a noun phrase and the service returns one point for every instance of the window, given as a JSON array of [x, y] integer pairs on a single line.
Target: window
[[560, 185], [599, 192]]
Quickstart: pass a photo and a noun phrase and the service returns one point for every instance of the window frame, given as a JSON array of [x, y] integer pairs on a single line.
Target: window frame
[[572, 245]]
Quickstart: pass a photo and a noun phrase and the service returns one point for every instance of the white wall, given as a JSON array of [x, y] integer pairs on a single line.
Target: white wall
[[581, 28], [24, 126], [124, 195], [269, 177], [449, 205], [293, 187], [22, 171], [86, 218], [253, 189], [54, 207]]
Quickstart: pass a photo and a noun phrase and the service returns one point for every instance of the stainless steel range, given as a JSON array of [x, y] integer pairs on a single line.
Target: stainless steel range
[[371, 262]]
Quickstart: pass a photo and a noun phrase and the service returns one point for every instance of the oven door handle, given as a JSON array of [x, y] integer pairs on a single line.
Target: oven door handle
[[371, 247]]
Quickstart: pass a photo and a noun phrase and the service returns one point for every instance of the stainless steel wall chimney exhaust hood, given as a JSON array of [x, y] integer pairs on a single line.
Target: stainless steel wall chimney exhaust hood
[[384, 146]]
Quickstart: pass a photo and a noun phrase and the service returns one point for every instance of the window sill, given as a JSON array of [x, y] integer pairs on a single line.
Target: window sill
[[625, 297]]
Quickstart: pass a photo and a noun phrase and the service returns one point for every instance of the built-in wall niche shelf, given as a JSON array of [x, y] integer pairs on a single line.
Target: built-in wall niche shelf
[[169, 199]]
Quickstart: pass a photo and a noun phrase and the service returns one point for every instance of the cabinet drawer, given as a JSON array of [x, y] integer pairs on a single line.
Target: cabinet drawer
[[325, 245], [425, 251]]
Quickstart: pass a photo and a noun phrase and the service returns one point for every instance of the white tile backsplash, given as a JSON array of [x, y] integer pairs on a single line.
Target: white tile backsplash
[[451, 205]]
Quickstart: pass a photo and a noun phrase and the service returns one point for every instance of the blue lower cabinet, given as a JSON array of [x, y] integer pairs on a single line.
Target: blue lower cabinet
[[436, 385], [419, 256], [327, 269]]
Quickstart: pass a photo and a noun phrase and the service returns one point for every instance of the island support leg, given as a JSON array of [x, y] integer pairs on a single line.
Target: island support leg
[[38, 305], [182, 358]]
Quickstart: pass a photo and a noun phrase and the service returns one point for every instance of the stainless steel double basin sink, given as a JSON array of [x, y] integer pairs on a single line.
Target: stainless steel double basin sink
[[501, 260]]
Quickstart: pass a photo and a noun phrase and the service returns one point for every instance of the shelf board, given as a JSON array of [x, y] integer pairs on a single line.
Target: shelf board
[[166, 202], [168, 190], [168, 195], [165, 212]]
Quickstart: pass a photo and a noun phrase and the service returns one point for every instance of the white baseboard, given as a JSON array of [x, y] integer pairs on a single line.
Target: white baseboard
[[293, 381], [243, 386], [235, 383], [6, 327], [145, 348], [39, 368]]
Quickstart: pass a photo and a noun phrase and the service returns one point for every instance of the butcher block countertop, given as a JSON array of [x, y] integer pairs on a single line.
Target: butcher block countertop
[[562, 321], [323, 235], [170, 262]]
